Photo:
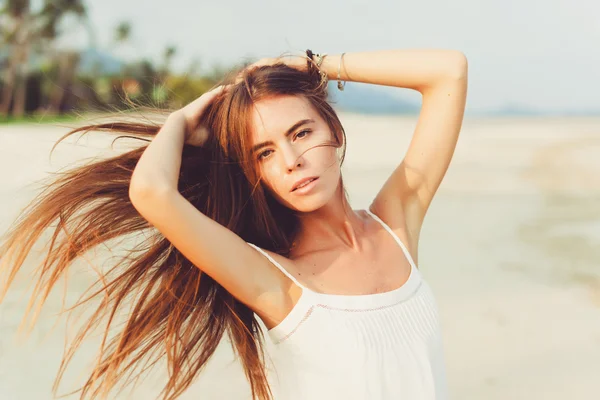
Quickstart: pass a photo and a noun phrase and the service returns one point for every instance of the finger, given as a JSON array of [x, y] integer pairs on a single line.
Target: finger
[[214, 92], [217, 89], [197, 106]]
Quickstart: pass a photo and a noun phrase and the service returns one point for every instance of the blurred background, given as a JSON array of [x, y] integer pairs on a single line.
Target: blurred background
[[511, 244]]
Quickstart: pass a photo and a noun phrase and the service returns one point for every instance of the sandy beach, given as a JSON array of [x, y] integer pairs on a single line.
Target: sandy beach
[[510, 246]]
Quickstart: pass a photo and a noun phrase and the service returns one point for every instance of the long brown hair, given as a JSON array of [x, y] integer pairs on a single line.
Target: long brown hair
[[177, 310]]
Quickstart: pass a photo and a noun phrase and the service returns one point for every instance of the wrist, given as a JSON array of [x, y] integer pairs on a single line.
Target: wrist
[[179, 118], [176, 115], [330, 67], [334, 66]]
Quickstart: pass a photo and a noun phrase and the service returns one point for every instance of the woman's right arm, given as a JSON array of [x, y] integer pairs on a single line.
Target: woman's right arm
[[216, 250]]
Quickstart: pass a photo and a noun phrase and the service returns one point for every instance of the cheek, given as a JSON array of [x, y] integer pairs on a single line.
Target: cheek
[[271, 177], [325, 158]]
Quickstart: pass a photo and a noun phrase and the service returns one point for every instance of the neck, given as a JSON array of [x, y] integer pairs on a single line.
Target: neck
[[332, 226]]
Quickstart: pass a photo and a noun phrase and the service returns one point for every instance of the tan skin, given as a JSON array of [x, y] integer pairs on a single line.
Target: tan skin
[[336, 252]]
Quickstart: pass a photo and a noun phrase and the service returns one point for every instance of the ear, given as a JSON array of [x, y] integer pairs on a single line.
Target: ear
[[338, 137]]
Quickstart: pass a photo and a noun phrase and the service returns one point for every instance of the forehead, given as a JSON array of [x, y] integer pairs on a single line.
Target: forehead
[[275, 115]]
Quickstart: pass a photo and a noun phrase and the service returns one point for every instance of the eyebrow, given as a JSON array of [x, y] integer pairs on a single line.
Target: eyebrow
[[290, 130]]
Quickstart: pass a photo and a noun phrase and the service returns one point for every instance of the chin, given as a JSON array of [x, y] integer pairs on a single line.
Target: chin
[[309, 203]]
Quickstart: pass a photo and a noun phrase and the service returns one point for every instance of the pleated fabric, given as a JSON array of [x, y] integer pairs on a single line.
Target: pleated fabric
[[376, 346]]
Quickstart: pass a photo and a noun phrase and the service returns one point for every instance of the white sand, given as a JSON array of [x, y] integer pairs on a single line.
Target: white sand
[[510, 246]]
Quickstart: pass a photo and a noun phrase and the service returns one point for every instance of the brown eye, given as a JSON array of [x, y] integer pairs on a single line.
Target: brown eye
[[302, 134], [264, 154]]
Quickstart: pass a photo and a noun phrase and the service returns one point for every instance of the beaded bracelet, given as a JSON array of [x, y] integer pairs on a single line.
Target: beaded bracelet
[[339, 83], [317, 59]]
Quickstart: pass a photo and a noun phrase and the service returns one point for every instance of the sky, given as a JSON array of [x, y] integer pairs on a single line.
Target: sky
[[529, 53]]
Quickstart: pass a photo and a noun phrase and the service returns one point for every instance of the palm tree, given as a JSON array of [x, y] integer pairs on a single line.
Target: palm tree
[[168, 55], [122, 32], [50, 17], [36, 31], [16, 20], [121, 35]]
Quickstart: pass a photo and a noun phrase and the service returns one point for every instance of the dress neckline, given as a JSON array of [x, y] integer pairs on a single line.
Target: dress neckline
[[369, 300], [348, 302]]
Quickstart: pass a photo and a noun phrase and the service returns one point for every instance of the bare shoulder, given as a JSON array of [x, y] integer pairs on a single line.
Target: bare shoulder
[[275, 306], [403, 218]]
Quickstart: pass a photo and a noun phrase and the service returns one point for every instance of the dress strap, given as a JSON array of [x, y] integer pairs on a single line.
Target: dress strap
[[279, 266], [402, 246]]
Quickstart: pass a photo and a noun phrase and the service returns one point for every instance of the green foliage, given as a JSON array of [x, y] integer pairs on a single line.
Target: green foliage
[[39, 119], [183, 89], [62, 84]]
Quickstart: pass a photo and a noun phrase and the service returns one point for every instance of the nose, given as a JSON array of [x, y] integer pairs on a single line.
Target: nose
[[292, 159]]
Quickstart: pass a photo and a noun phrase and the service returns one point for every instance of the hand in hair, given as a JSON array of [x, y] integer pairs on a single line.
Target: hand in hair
[[195, 133], [294, 61]]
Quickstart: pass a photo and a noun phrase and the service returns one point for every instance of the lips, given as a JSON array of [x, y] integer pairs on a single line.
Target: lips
[[303, 182]]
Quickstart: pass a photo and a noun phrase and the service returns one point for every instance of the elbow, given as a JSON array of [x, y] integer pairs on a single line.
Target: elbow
[[458, 67], [140, 194], [150, 202], [142, 186]]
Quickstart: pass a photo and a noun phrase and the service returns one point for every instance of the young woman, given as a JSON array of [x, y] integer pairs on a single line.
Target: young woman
[[242, 194]]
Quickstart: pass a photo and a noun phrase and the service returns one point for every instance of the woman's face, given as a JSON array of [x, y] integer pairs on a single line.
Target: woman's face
[[291, 144]]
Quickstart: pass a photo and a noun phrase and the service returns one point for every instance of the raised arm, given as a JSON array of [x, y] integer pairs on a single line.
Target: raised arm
[[441, 78], [213, 248]]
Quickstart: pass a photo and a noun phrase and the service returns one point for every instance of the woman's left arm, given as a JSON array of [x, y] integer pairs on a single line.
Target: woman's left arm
[[441, 78]]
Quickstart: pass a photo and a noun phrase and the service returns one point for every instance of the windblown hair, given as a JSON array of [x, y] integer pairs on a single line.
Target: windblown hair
[[173, 308]]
